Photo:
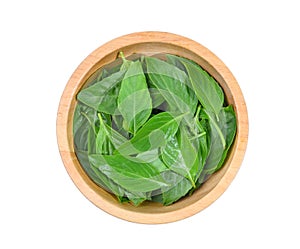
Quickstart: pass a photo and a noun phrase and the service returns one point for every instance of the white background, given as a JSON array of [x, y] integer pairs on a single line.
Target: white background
[[42, 43]]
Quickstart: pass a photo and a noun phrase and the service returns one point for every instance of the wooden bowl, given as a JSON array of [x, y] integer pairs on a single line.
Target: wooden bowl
[[151, 43]]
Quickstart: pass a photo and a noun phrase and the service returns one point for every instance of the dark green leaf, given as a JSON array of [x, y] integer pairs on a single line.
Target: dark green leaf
[[175, 60], [80, 129], [157, 98], [83, 117], [103, 74], [83, 158], [117, 125], [202, 143]]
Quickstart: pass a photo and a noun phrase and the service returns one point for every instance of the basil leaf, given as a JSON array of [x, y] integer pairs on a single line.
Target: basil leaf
[[101, 180], [171, 82], [157, 98], [80, 129], [227, 115], [107, 138], [84, 137], [121, 193], [129, 174], [154, 134], [180, 186], [216, 148], [151, 156], [189, 149], [134, 101], [109, 103], [103, 74], [135, 199], [181, 156], [208, 91], [174, 60], [217, 126], [202, 143], [94, 95], [226, 125], [83, 158], [148, 156], [83, 118], [117, 125]]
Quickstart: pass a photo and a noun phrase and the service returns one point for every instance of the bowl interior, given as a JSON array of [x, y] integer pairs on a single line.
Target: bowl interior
[[202, 197]]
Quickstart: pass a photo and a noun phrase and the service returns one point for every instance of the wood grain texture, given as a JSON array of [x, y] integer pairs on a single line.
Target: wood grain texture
[[150, 43]]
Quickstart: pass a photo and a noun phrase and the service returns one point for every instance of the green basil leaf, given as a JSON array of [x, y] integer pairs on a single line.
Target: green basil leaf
[[129, 174], [216, 148], [97, 177], [134, 101], [83, 158], [175, 60], [202, 143], [88, 135], [229, 130], [107, 138], [78, 119], [109, 103], [84, 116], [226, 125], [80, 129], [135, 199], [117, 125], [94, 95], [172, 84], [157, 98], [154, 134], [109, 185], [208, 91], [103, 74], [180, 186], [189, 150], [181, 156], [149, 156]]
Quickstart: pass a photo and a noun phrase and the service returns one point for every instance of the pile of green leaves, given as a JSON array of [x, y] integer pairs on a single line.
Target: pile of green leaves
[[152, 128]]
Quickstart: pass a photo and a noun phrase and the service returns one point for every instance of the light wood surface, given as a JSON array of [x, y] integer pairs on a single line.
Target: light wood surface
[[151, 43]]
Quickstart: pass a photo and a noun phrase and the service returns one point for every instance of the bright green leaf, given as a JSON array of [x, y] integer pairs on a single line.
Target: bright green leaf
[[134, 101]]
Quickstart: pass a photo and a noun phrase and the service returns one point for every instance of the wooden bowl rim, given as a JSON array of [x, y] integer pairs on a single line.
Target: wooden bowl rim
[[100, 198]]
